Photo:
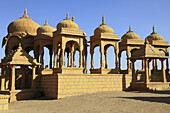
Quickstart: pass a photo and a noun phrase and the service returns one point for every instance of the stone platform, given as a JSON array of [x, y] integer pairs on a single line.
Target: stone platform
[[150, 86], [21, 94], [4, 100]]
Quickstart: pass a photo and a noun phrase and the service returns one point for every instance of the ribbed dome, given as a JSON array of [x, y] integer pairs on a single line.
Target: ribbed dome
[[67, 23], [103, 28], [45, 29], [23, 25], [130, 35], [154, 36]]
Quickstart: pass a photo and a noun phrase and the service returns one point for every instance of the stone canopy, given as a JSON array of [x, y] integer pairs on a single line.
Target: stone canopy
[[148, 51], [19, 57]]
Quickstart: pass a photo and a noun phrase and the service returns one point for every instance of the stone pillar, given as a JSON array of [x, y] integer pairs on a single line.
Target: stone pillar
[[68, 57], [149, 70], [23, 77], [2, 78], [106, 53], [13, 78], [51, 54], [167, 63], [163, 71], [153, 64], [143, 64], [33, 77], [80, 59], [116, 62], [63, 57], [101, 58], [92, 60], [72, 58], [42, 57], [120, 61], [54, 63], [128, 60], [133, 71], [58, 58], [156, 65], [146, 71], [86, 62]]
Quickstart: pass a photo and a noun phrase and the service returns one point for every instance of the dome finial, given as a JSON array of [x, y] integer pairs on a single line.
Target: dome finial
[[103, 20], [130, 28], [25, 12], [67, 16], [46, 22], [153, 29], [73, 18], [19, 47]]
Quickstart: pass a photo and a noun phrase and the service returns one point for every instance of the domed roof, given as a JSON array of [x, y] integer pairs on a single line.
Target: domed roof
[[45, 29], [130, 35], [103, 28], [154, 36], [67, 23], [23, 25]]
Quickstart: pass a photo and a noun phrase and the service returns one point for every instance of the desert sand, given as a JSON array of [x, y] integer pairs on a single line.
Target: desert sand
[[101, 102]]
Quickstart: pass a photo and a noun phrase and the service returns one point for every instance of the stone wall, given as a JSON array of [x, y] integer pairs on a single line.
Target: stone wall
[[4, 99], [63, 85]]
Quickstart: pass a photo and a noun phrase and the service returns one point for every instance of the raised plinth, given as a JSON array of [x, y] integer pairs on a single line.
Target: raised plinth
[[21, 94], [68, 70], [150, 86], [104, 71], [4, 99]]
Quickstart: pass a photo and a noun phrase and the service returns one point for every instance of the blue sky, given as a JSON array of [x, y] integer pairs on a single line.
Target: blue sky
[[141, 15]]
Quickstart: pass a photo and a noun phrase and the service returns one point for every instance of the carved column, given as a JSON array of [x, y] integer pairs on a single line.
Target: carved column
[[42, 56], [146, 71], [106, 53], [153, 64], [119, 61], [86, 62], [72, 58], [54, 63], [167, 63], [23, 77], [163, 71], [149, 70], [116, 62], [80, 59], [33, 77], [128, 61], [143, 64], [51, 54], [63, 51], [156, 65], [92, 59], [101, 57], [13, 78], [133, 71], [68, 57], [2, 78]]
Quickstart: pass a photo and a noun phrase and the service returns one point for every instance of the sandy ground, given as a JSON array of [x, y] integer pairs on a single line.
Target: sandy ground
[[101, 102]]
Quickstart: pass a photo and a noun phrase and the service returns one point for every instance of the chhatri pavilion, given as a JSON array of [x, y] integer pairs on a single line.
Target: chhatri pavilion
[[24, 76]]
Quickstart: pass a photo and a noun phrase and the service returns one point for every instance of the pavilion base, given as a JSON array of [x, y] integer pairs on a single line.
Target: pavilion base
[[22, 94], [104, 71], [68, 70], [141, 86]]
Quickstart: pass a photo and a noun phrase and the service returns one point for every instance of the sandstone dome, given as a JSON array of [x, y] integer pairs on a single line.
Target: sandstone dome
[[45, 29], [67, 23], [103, 28], [23, 25], [130, 35], [154, 36]]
